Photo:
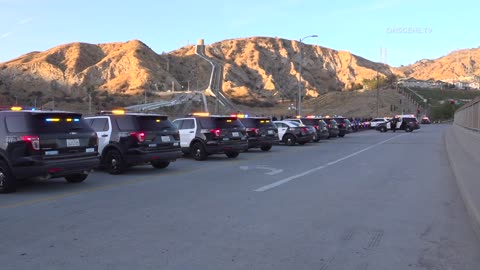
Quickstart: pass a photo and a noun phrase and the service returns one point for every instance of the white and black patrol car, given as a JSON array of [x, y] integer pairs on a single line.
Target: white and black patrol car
[[127, 139], [202, 134], [291, 133], [407, 122]]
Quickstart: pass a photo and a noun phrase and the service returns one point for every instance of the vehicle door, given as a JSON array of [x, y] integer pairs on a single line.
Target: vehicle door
[[103, 128], [282, 129], [399, 123], [187, 130]]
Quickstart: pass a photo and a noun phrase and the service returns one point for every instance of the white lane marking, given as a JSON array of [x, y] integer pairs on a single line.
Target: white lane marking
[[293, 177], [272, 171]]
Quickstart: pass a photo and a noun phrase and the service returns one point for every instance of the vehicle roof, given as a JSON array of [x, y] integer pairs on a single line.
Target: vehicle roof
[[39, 112], [285, 122], [127, 113]]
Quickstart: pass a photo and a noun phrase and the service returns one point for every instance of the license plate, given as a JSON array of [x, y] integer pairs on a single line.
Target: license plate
[[90, 150], [73, 142], [152, 145], [226, 139], [50, 153], [235, 134], [165, 138], [270, 132]]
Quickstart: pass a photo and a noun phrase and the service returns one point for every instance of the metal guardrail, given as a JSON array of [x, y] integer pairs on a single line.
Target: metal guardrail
[[468, 116], [215, 85]]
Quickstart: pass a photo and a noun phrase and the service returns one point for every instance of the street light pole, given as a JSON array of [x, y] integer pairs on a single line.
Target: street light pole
[[299, 107]]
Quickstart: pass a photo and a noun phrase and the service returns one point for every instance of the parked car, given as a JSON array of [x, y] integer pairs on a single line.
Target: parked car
[[408, 123], [332, 127], [45, 144], [127, 139], [376, 121], [202, 134], [321, 130], [425, 120], [291, 133], [261, 132], [344, 126]]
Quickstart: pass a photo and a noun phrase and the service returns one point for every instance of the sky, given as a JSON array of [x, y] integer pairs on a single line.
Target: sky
[[396, 32]]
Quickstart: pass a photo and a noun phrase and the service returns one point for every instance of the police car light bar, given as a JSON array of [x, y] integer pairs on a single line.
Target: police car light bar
[[201, 114]]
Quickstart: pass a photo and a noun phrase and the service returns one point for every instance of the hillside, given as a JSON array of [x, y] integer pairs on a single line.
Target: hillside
[[262, 67], [257, 71], [254, 68], [458, 64]]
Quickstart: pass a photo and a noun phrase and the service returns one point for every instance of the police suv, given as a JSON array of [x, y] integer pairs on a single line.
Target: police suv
[[127, 139], [44, 144], [407, 122], [202, 134]]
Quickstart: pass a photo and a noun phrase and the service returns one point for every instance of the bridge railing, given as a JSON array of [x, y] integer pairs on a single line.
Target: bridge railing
[[468, 116]]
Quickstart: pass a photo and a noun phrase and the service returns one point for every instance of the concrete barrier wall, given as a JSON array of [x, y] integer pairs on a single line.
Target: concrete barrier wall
[[468, 116], [462, 142]]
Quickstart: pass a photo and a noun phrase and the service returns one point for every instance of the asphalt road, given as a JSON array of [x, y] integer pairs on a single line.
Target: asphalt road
[[367, 201]]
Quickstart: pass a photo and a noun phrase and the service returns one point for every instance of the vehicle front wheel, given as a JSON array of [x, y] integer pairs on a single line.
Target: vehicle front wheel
[[160, 164], [383, 129], [266, 148], [198, 151], [232, 154], [114, 162], [408, 129], [289, 140], [341, 135], [76, 178], [8, 183]]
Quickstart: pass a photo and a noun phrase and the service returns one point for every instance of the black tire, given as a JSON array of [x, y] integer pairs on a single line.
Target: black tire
[[160, 164], [232, 154], [198, 151], [341, 135], [114, 162], [8, 183], [289, 139], [408, 129], [76, 178], [383, 129], [266, 148], [316, 140]]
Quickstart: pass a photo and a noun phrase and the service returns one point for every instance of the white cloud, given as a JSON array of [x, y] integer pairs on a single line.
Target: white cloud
[[4, 35]]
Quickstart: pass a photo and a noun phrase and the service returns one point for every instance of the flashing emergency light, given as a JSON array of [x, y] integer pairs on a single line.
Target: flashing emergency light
[[16, 108], [240, 115], [118, 111], [52, 119], [201, 114]]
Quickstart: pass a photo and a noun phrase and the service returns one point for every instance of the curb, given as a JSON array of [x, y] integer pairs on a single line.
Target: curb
[[462, 174]]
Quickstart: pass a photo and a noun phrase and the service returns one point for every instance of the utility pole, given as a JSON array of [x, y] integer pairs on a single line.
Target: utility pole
[[300, 45], [145, 96], [90, 103], [378, 94]]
